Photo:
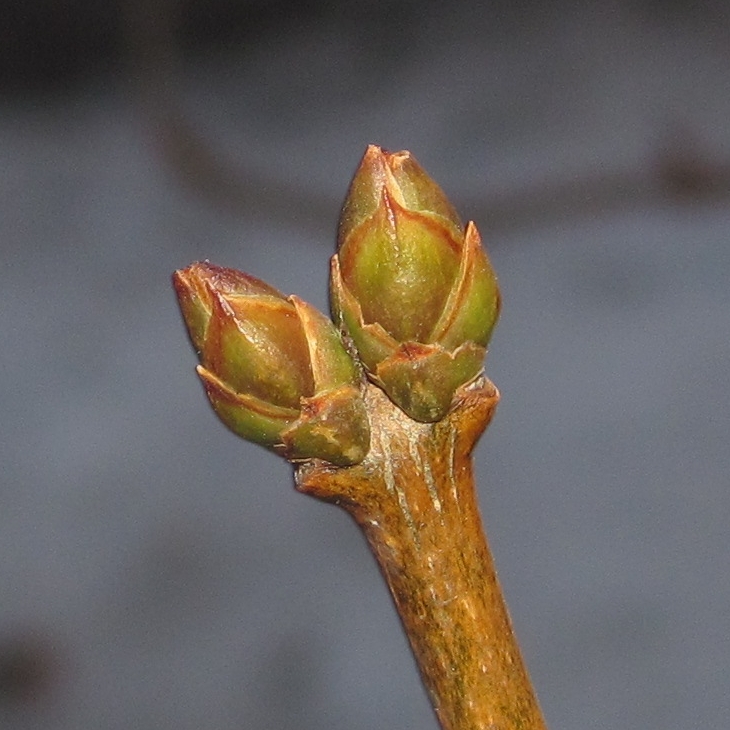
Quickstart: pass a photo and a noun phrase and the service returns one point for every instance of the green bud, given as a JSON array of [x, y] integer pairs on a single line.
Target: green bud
[[274, 368], [413, 289]]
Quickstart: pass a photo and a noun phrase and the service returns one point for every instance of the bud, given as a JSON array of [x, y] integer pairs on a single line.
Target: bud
[[274, 368], [413, 289]]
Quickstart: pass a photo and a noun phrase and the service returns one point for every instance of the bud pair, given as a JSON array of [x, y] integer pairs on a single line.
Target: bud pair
[[274, 368], [413, 289]]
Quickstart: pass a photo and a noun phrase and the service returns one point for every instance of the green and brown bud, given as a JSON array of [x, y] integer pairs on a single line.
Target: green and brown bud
[[414, 290], [274, 368]]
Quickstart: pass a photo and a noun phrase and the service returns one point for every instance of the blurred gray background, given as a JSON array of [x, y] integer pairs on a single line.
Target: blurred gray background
[[156, 572]]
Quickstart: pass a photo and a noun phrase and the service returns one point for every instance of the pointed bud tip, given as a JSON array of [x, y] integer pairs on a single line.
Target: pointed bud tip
[[384, 179], [221, 279]]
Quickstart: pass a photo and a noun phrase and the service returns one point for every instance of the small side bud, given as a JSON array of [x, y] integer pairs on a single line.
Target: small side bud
[[274, 368]]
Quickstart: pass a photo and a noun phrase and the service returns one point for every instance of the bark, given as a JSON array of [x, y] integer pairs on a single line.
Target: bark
[[415, 500]]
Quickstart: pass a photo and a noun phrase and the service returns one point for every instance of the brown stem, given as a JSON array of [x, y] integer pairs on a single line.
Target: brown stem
[[415, 500]]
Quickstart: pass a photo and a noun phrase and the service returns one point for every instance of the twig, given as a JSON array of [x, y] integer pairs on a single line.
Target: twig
[[414, 498]]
